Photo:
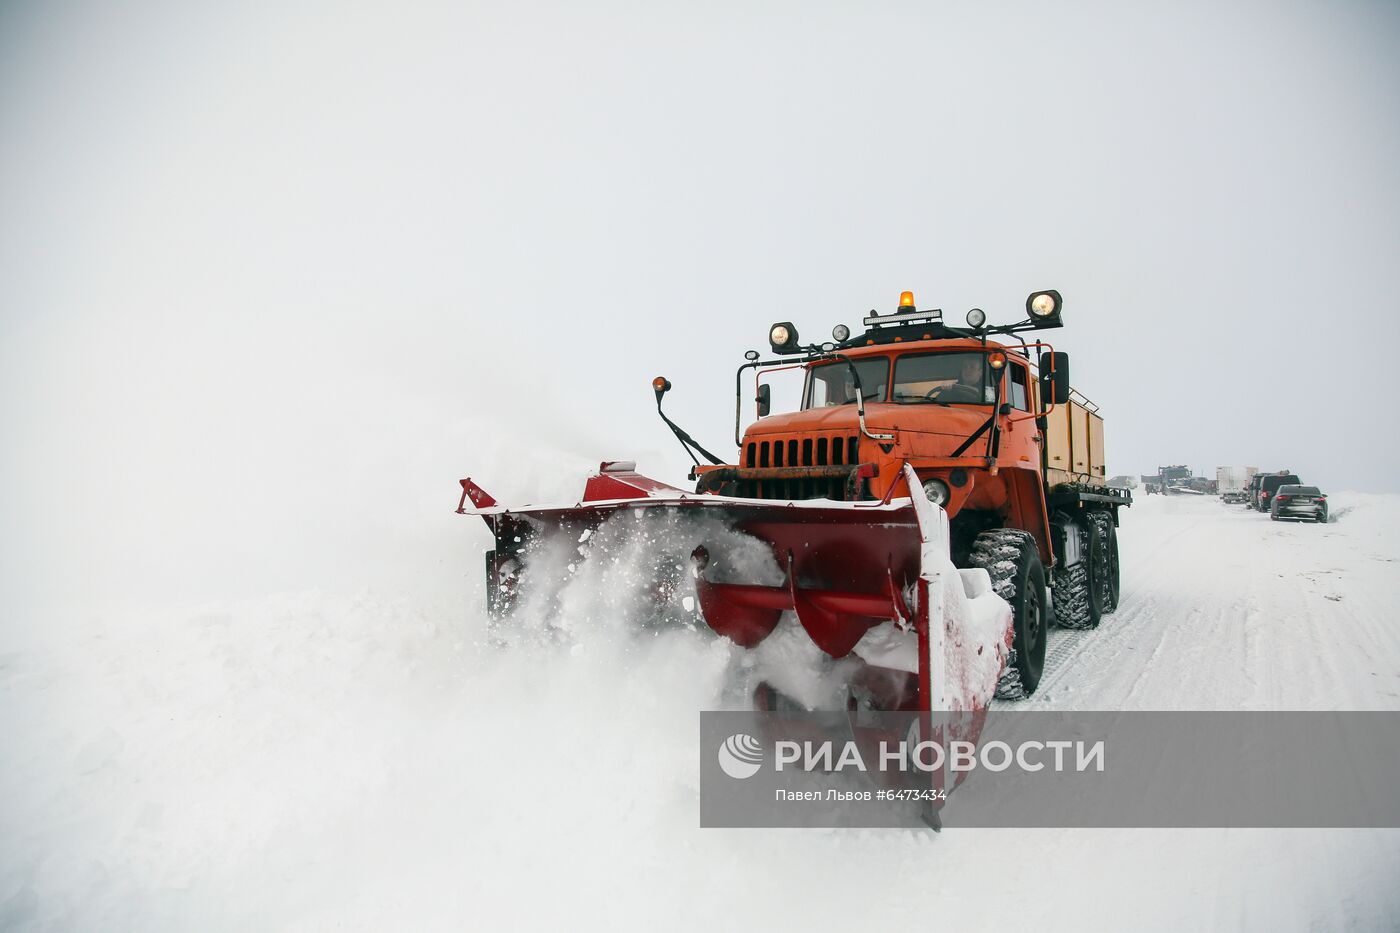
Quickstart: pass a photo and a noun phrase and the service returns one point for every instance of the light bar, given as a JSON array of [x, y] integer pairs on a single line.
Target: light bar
[[904, 317]]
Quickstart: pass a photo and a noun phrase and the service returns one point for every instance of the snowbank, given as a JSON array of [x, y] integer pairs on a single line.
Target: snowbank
[[319, 760]]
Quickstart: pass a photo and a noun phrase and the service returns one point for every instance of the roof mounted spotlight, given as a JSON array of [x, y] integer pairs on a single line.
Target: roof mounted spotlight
[[750, 355], [976, 318], [1043, 308], [840, 333], [782, 337]]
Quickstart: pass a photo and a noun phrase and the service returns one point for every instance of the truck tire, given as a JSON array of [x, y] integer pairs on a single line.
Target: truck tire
[[1115, 579], [1093, 559], [1103, 573], [1069, 589], [1069, 597], [1010, 558]]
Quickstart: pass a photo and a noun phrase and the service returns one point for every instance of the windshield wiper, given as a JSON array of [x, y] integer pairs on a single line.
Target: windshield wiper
[[989, 425]]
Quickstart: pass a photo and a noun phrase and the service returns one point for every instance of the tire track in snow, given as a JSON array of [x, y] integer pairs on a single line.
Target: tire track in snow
[[1228, 610]]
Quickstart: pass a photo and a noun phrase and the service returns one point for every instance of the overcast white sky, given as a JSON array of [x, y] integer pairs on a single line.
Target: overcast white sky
[[274, 276]]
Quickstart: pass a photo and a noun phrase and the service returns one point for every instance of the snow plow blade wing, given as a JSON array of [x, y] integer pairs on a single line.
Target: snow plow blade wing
[[869, 579]]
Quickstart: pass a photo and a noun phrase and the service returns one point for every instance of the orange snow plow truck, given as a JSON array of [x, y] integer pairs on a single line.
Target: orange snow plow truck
[[936, 501]]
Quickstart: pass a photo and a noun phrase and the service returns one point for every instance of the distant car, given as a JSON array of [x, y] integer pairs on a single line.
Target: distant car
[[1299, 503], [1251, 492], [1270, 484]]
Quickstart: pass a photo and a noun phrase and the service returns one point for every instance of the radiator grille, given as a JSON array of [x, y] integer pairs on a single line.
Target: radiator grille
[[807, 451]]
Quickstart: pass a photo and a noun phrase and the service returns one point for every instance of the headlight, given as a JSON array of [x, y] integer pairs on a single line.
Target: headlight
[[937, 491], [840, 333], [1044, 308], [1043, 304], [976, 318], [783, 337]]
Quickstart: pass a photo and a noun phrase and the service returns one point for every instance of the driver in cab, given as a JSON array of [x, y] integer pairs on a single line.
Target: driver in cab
[[971, 385]]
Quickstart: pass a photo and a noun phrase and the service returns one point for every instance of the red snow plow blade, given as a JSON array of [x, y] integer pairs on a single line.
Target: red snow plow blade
[[872, 581]]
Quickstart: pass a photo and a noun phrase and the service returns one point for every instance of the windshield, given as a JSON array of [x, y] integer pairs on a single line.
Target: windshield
[[943, 378], [831, 383]]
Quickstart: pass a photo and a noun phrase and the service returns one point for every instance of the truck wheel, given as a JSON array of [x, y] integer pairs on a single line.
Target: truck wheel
[[1105, 561], [1010, 558], [1069, 591], [1093, 561]]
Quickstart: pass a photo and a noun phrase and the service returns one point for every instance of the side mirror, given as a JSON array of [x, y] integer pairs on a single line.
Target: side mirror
[[1054, 377], [765, 400]]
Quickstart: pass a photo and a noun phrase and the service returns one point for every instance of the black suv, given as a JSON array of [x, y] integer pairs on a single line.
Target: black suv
[[1270, 484], [1251, 492]]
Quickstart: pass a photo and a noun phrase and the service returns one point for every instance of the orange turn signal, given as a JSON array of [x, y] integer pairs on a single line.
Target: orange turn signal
[[996, 360]]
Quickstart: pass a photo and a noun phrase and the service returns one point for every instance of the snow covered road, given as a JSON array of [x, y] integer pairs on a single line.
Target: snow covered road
[[1223, 609], [320, 761]]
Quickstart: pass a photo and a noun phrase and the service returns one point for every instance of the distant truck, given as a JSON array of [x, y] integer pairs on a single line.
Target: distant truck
[[1232, 482], [1175, 479]]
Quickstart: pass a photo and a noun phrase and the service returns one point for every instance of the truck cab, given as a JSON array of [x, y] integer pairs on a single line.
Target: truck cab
[[992, 429]]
